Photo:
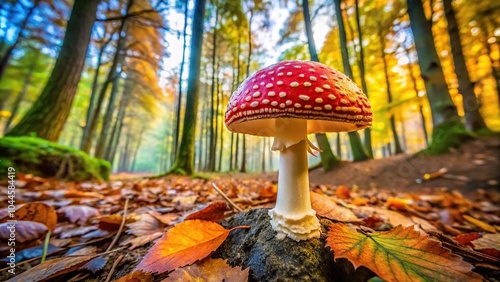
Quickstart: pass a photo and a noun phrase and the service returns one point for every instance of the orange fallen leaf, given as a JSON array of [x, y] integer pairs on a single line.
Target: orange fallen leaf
[[184, 244], [360, 201], [465, 239], [269, 192], [400, 254], [213, 212], [49, 269], [209, 270], [110, 222], [343, 192], [324, 206], [483, 225], [38, 212], [137, 276], [488, 244], [398, 204]]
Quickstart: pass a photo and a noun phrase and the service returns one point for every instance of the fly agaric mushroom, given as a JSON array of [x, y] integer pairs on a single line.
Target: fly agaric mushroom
[[289, 100]]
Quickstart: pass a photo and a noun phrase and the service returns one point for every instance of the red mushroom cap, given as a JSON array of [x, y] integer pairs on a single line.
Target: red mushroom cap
[[328, 99]]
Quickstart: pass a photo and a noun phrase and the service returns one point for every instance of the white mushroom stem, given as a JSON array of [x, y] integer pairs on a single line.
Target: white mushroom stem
[[293, 215]]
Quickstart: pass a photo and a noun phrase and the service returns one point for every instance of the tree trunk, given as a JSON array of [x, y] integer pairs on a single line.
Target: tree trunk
[[122, 107], [448, 129], [137, 147], [328, 159], [178, 107], [358, 151], [47, 116], [95, 82], [108, 116], [339, 147], [184, 161], [4, 61], [362, 74], [92, 126], [392, 119], [474, 120], [213, 131], [22, 93]]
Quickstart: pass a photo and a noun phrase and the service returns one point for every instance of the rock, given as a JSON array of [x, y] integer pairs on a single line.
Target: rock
[[271, 259]]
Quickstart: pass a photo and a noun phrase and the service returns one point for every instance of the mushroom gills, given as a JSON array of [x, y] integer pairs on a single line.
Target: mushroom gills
[[289, 132]]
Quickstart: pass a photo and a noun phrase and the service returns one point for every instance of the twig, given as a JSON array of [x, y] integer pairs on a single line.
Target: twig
[[124, 218], [226, 198], [115, 264]]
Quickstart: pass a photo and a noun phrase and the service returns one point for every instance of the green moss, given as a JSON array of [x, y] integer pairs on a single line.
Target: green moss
[[446, 136], [48, 159]]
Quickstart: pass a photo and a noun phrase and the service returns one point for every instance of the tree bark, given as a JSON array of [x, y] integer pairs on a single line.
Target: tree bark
[[47, 116], [358, 151], [108, 116], [184, 161], [213, 133], [178, 107], [328, 159], [474, 120], [448, 130]]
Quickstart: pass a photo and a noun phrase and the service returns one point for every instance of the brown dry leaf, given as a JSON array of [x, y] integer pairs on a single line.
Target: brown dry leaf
[[393, 217], [487, 242], [49, 269], [38, 212], [213, 212], [80, 194], [141, 240], [110, 222], [184, 244], [137, 276], [483, 225], [79, 213], [325, 207], [166, 219], [145, 224], [209, 270], [400, 254], [465, 239]]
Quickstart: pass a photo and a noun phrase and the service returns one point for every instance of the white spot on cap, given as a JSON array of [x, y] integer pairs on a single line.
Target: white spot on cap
[[318, 108], [326, 86], [294, 84], [280, 68], [307, 106], [344, 101], [313, 78], [254, 104], [304, 97], [318, 90], [328, 107], [271, 72], [254, 80], [255, 87], [311, 70], [279, 82], [243, 106], [271, 93], [288, 102], [256, 94], [282, 94], [265, 101], [274, 103], [269, 85], [319, 100], [282, 105], [301, 75], [297, 105], [331, 97], [262, 83], [280, 74], [352, 99], [307, 84], [262, 76], [248, 98], [323, 76], [297, 67], [289, 73]]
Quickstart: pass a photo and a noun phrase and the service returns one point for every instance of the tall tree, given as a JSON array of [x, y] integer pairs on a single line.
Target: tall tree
[[448, 130], [328, 159], [184, 161], [358, 151], [47, 116], [473, 118]]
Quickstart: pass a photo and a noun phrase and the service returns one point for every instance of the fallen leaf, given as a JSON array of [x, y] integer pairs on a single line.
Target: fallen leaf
[[110, 222], [213, 212], [465, 239], [79, 213], [325, 207], [37, 212], [398, 204], [184, 244], [360, 201], [144, 225], [488, 244], [166, 219], [137, 276], [400, 254], [49, 269], [209, 270], [483, 225], [342, 192], [141, 240], [77, 231], [24, 231]]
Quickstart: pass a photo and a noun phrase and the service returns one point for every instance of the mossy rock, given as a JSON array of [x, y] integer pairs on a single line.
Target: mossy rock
[[446, 136], [32, 155]]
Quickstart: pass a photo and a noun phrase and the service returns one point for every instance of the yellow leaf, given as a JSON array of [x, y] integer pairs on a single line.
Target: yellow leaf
[[184, 244], [400, 254], [483, 225]]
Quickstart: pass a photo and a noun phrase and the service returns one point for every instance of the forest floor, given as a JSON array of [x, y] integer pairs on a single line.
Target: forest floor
[[87, 218]]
